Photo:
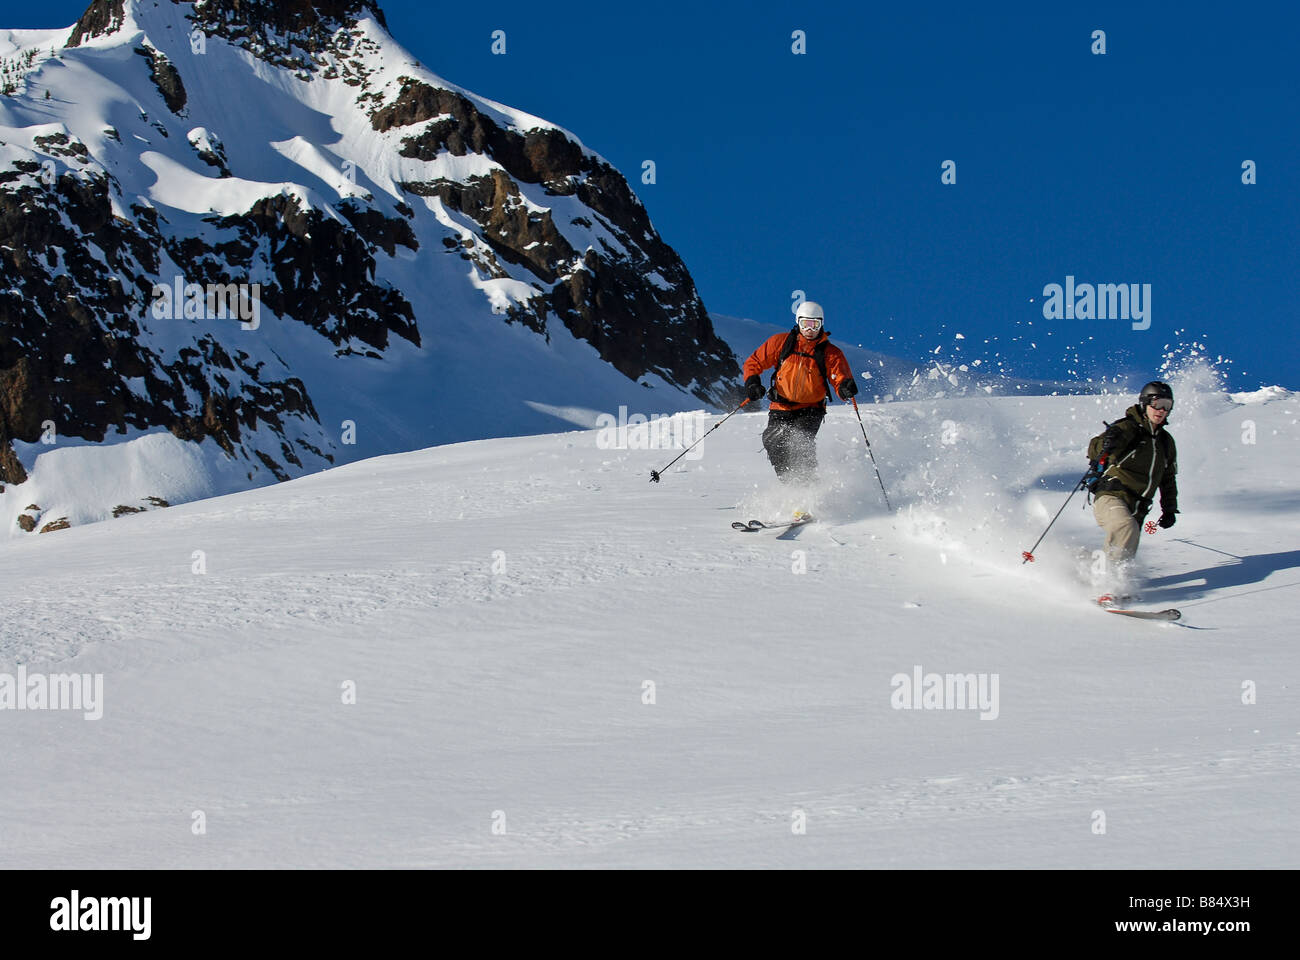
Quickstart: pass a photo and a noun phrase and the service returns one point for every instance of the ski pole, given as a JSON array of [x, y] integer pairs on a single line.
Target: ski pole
[[654, 474], [873, 456], [1029, 554]]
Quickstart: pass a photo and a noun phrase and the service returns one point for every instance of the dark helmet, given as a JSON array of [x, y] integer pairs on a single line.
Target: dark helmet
[[1155, 390]]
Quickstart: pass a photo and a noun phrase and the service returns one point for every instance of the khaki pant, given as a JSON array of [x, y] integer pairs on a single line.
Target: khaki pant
[[1123, 532]]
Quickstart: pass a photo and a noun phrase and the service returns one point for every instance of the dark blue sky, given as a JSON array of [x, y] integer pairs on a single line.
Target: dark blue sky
[[821, 172]]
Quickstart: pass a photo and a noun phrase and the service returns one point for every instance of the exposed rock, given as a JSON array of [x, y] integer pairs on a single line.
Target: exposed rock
[[27, 523], [11, 469], [384, 232], [122, 509], [517, 234], [284, 16], [166, 78], [603, 297], [158, 501], [101, 17], [323, 271], [295, 34], [543, 155], [70, 341], [59, 524], [210, 149], [61, 145]]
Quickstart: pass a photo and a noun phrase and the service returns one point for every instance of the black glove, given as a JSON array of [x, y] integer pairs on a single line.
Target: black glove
[[1096, 468], [848, 389], [754, 386], [1167, 519]]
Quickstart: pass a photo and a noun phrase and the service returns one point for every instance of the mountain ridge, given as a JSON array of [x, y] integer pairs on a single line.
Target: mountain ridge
[[299, 151]]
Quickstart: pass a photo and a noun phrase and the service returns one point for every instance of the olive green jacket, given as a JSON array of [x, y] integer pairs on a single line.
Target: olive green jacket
[[1141, 459]]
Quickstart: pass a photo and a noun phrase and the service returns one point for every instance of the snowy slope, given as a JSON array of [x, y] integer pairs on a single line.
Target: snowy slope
[[500, 604]]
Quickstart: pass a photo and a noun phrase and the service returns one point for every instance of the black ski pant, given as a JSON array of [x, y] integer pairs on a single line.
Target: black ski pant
[[790, 440]]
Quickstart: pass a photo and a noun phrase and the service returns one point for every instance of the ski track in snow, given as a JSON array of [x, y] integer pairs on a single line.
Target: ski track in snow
[[865, 817]]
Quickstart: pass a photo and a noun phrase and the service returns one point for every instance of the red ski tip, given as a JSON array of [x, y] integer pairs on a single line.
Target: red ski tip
[[1029, 557]]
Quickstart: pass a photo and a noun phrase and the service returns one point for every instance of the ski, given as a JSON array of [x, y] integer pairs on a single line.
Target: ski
[[753, 526], [1170, 614], [1105, 602]]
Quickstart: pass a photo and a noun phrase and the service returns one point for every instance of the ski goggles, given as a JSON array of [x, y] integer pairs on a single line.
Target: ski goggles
[[1161, 403], [809, 325]]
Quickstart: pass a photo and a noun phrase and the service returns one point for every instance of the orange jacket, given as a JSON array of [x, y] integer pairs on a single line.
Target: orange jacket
[[799, 378]]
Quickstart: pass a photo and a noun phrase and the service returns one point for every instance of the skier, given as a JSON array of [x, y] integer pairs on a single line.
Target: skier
[[805, 361], [1133, 459]]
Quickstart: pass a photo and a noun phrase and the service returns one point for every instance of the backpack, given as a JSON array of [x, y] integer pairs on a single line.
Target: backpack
[[818, 355], [1094, 445], [1118, 456]]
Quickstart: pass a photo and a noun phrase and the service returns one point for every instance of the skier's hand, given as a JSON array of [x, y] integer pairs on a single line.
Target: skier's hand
[[754, 386], [1096, 468], [848, 389], [1168, 519]]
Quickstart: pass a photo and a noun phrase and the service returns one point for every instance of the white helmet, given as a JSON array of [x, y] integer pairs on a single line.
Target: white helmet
[[810, 317]]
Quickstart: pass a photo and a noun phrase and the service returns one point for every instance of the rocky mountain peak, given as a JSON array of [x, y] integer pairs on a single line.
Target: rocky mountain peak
[[101, 17], [424, 265], [289, 15], [296, 17]]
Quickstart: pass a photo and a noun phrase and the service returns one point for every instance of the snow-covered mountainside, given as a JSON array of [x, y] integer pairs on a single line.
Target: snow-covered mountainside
[[265, 230], [519, 652]]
